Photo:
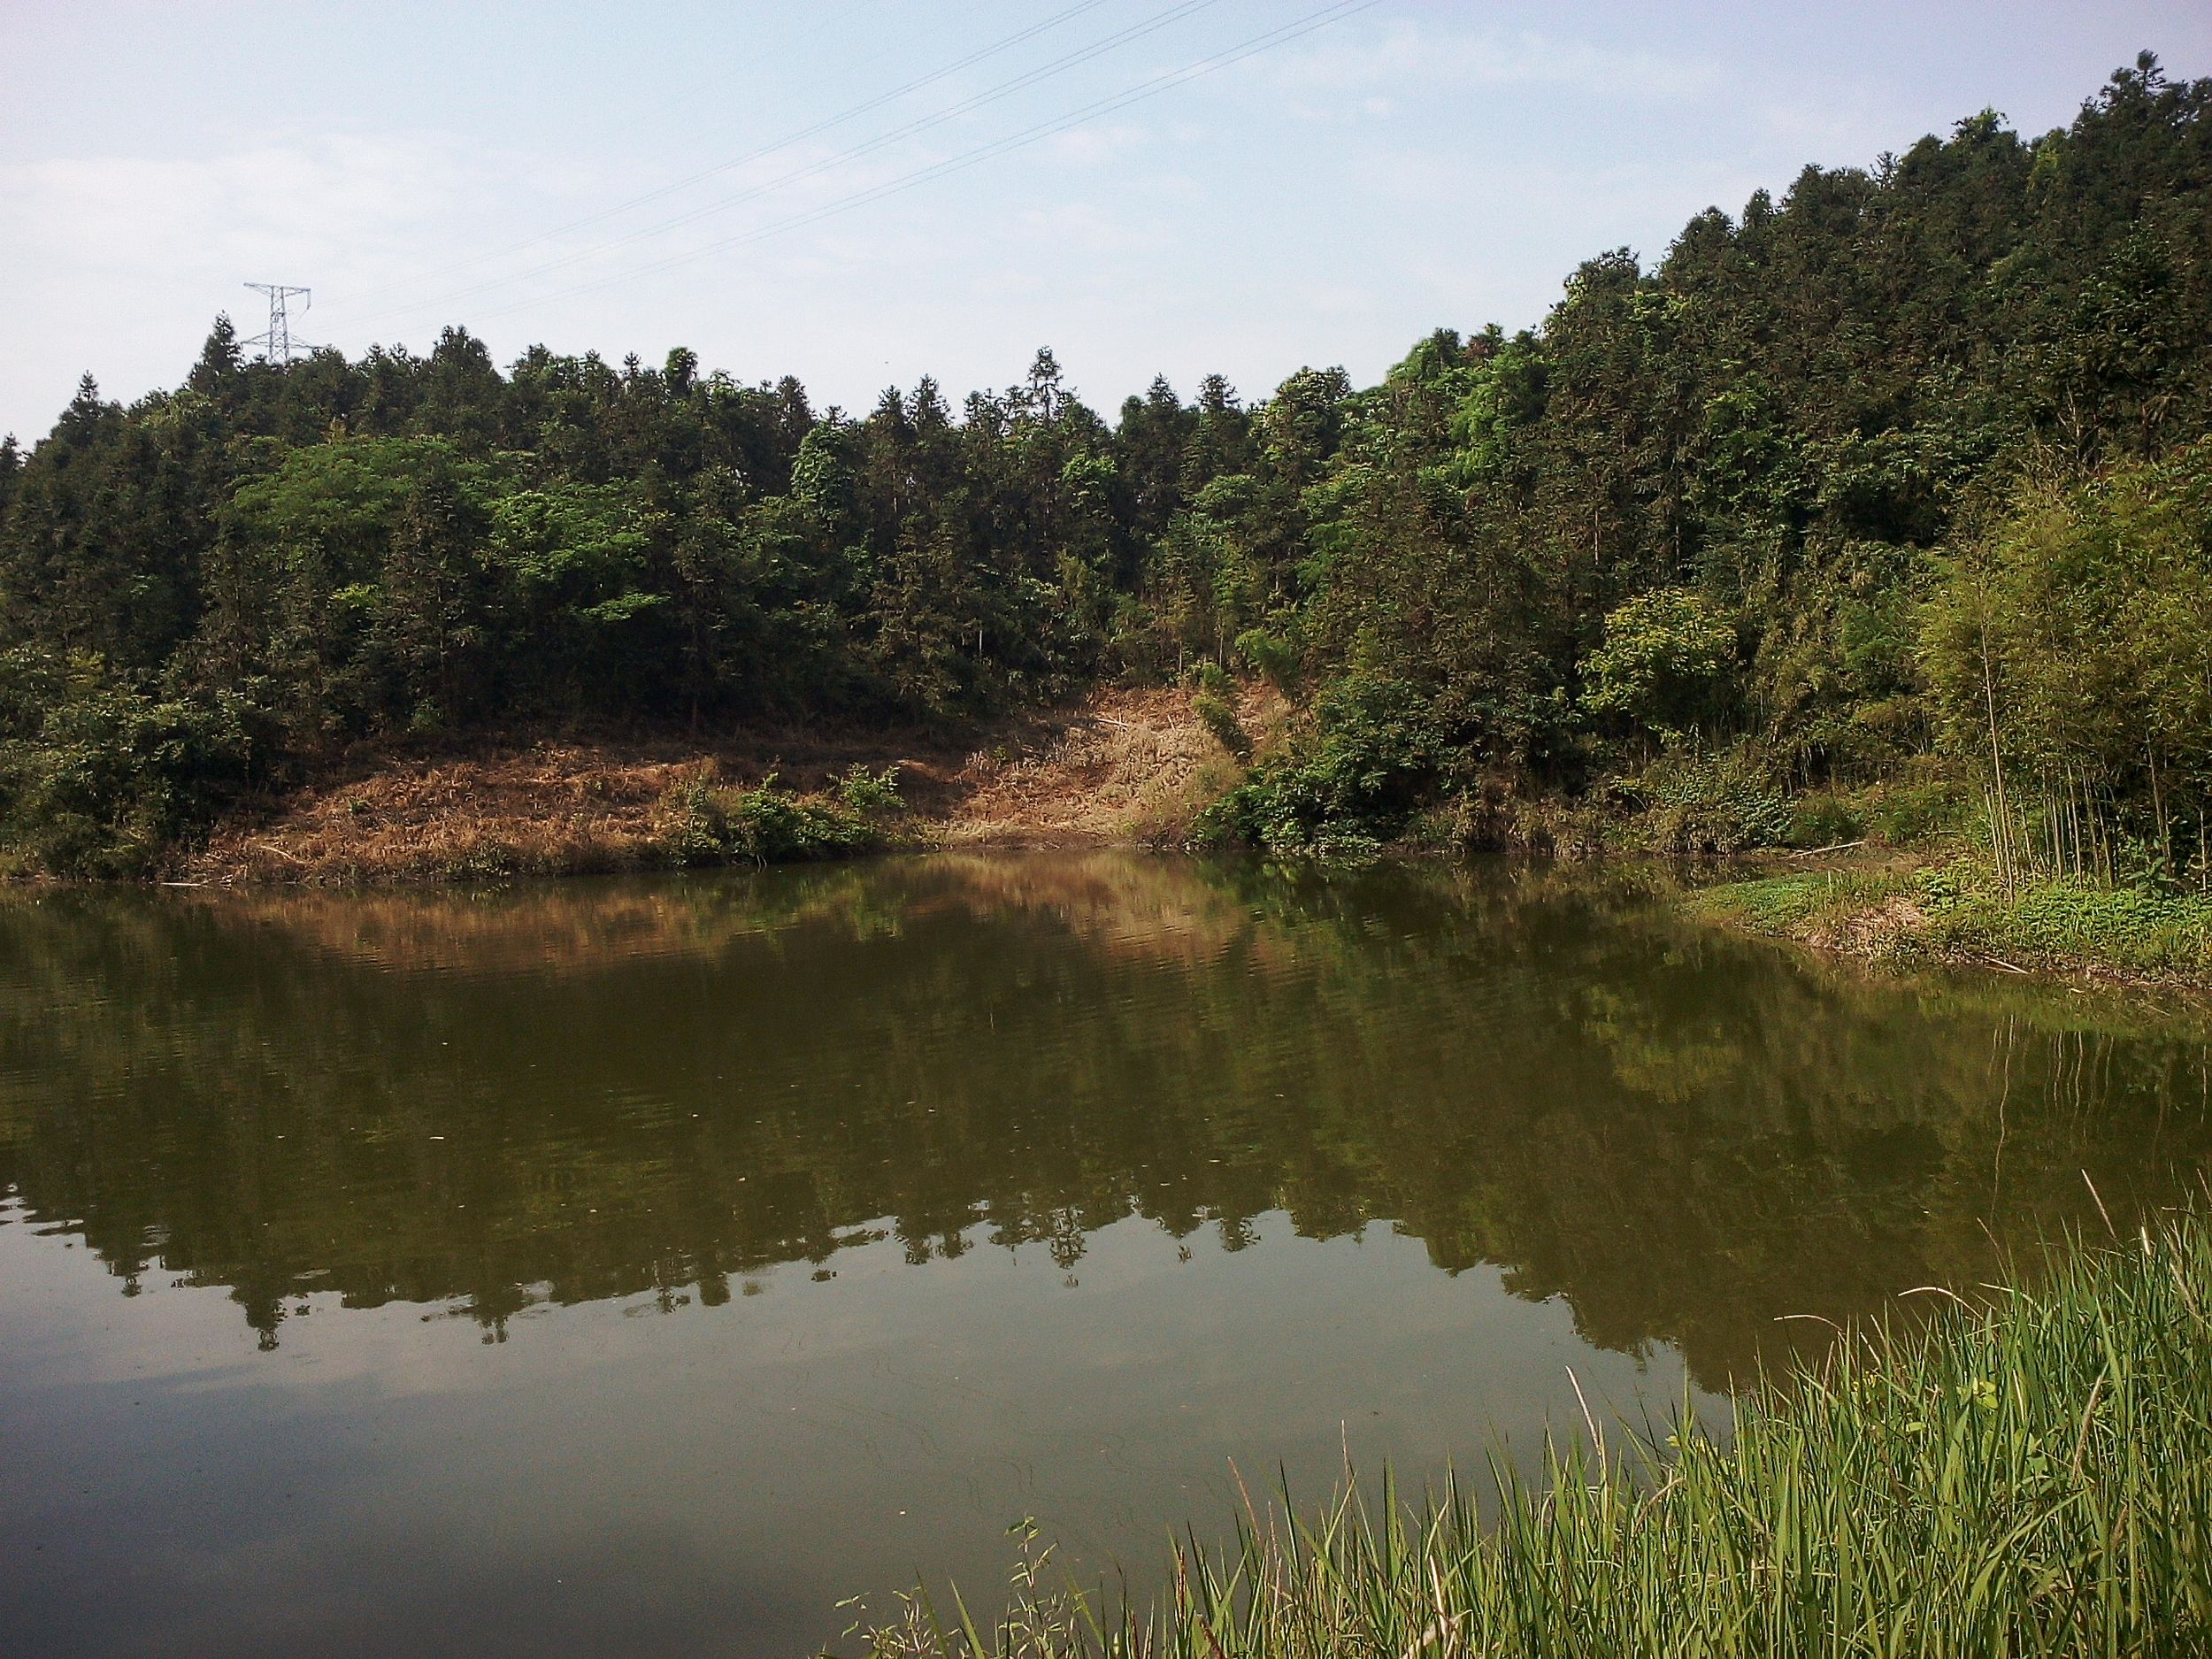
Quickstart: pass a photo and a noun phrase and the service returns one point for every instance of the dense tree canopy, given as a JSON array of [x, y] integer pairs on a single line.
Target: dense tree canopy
[[1801, 496]]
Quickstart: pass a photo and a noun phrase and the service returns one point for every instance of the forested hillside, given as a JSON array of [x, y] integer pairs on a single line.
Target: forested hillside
[[1887, 504]]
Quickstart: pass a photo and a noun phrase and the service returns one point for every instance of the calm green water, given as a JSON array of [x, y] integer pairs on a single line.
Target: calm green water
[[639, 1267]]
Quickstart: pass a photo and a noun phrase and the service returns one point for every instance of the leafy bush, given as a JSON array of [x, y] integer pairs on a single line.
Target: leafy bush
[[1666, 666], [1824, 820], [870, 793], [1913, 814], [1713, 803], [770, 824], [1207, 675], [1219, 718], [1215, 705], [98, 778], [1270, 656], [1348, 784]]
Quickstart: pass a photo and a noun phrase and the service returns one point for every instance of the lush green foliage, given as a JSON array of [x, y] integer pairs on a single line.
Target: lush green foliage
[[98, 778], [1962, 909], [1784, 509], [1368, 761], [1665, 655], [2070, 651], [2033, 1477], [770, 824]]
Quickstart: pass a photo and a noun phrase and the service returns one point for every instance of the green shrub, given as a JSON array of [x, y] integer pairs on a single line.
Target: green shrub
[[770, 824], [870, 793], [1713, 803], [1347, 784], [1914, 814], [99, 778], [1209, 676], [1270, 656], [1219, 718], [1824, 820]]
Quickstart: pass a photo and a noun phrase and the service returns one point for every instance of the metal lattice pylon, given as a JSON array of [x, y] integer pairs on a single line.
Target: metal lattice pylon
[[277, 345]]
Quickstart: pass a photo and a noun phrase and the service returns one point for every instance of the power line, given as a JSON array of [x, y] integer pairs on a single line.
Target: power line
[[277, 345], [661, 192], [1251, 47], [1151, 24], [1173, 14]]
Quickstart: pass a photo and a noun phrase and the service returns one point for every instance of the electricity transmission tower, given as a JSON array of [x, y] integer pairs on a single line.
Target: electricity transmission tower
[[277, 345]]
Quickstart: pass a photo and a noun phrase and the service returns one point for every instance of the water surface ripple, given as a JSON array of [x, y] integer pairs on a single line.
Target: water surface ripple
[[639, 1266]]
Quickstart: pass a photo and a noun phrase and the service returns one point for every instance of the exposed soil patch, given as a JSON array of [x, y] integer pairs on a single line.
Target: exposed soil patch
[[1128, 766], [547, 807], [1125, 766]]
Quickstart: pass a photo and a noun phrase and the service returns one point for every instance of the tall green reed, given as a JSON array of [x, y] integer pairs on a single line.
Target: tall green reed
[[2029, 1475]]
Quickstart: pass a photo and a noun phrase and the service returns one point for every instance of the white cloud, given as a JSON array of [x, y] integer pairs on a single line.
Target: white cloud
[[333, 195], [1091, 145], [1088, 228], [1409, 55]]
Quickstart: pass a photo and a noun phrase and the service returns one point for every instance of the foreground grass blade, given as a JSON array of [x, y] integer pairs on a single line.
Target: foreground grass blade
[[2030, 1479]]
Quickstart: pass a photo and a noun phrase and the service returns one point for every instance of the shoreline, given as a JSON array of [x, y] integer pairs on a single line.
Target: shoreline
[[1122, 767], [2048, 1432], [1908, 910], [1125, 767]]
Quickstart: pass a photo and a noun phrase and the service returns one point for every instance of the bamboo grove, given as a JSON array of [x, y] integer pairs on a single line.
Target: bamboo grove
[[1886, 504]]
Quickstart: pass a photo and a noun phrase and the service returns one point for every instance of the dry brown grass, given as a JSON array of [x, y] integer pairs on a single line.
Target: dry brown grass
[[1879, 930], [550, 809], [1125, 766]]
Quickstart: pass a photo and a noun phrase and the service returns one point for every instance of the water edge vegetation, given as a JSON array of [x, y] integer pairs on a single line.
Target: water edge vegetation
[[1957, 911], [2031, 1475]]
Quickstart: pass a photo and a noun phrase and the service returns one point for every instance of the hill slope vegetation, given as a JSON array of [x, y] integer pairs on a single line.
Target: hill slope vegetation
[[1884, 507]]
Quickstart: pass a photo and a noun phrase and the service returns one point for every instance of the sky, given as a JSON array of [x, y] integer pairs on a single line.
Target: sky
[[860, 192]]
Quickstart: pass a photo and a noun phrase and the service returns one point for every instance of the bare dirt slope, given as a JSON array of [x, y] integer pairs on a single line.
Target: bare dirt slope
[[1127, 766]]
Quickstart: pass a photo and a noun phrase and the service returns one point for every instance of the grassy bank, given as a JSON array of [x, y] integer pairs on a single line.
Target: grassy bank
[[2030, 1476], [1957, 912]]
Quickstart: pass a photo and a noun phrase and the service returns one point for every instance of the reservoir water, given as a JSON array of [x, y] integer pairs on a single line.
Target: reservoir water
[[640, 1267]]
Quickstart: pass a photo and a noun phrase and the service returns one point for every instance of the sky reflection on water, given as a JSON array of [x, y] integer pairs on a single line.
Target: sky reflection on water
[[641, 1265]]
